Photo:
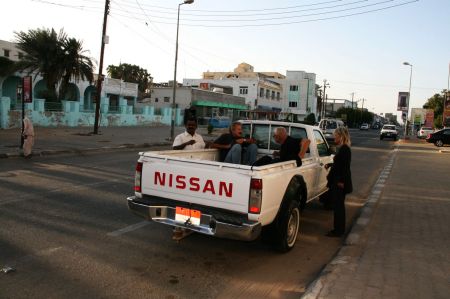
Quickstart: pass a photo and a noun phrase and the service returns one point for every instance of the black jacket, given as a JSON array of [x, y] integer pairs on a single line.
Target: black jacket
[[340, 170]]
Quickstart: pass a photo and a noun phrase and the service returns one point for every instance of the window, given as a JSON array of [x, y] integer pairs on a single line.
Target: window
[[243, 89], [293, 88], [261, 92], [261, 133], [156, 100], [273, 144], [322, 146], [6, 52], [293, 104], [246, 130], [267, 93], [166, 99], [278, 96], [298, 132], [273, 95]]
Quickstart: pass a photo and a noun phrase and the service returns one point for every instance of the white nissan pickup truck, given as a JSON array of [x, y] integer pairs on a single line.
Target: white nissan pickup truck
[[192, 190]]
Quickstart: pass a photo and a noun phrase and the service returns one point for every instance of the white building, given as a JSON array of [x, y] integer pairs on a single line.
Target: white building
[[266, 91]]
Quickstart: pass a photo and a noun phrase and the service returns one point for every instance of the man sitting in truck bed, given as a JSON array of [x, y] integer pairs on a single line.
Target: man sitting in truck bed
[[291, 149], [234, 148]]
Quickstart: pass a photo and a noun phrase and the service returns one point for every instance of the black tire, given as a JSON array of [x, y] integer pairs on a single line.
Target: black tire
[[381, 137], [439, 143], [285, 229]]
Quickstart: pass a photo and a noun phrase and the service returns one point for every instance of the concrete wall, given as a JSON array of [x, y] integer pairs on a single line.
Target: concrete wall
[[72, 117]]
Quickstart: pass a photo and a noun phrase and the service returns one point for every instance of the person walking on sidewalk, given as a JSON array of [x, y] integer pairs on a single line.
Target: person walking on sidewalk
[[189, 140], [340, 180], [28, 137]]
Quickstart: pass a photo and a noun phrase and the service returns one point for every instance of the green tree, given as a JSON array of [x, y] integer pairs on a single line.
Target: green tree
[[310, 119], [436, 103], [131, 73], [55, 57], [76, 65], [354, 117]]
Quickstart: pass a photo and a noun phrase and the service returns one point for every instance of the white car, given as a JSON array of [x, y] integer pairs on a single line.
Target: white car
[[364, 126], [424, 132], [389, 131]]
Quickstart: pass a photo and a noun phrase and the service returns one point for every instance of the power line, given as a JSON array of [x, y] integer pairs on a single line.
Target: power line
[[82, 7], [246, 10], [287, 23], [259, 14], [283, 17]]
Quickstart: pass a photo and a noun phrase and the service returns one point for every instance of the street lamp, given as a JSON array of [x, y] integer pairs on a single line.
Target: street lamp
[[409, 96], [324, 100], [172, 124]]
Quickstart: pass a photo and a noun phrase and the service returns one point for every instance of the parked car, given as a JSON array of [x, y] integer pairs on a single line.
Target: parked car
[[364, 126], [388, 131], [328, 125], [424, 132], [439, 138]]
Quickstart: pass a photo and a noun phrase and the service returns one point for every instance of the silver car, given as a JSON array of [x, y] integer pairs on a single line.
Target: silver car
[[424, 131]]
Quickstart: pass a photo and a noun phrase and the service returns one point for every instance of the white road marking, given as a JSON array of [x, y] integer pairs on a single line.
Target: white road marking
[[128, 229]]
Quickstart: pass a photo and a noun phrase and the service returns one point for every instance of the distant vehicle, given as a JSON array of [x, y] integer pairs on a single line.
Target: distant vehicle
[[439, 138], [364, 126], [328, 125], [388, 131], [424, 132]]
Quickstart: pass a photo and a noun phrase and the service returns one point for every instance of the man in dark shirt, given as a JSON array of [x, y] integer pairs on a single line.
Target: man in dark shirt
[[291, 149], [234, 148]]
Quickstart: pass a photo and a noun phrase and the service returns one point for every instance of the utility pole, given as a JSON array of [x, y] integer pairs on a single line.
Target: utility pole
[[325, 85], [362, 109], [100, 75], [353, 94]]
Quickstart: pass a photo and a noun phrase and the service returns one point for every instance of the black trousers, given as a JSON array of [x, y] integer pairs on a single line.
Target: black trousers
[[338, 198]]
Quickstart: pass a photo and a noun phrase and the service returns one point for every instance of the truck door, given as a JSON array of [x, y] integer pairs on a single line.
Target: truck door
[[324, 157]]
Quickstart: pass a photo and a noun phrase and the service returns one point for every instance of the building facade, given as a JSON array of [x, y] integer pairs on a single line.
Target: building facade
[[208, 105], [266, 91]]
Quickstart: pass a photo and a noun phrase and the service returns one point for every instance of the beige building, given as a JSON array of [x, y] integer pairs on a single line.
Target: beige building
[[10, 51], [265, 91]]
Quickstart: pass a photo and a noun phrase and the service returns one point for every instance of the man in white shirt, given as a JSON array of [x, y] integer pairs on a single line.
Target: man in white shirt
[[189, 140]]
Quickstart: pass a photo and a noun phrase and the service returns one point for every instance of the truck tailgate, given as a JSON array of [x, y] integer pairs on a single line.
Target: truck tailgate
[[210, 185]]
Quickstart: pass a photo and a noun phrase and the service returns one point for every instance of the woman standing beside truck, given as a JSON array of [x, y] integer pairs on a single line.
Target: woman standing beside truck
[[340, 180]]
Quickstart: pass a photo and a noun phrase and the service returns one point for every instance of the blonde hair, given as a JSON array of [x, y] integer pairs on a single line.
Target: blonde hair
[[344, 134]]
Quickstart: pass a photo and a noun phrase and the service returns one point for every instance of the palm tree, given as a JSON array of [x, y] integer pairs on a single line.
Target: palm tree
[[76, 65], [43, 51], [56, 57]]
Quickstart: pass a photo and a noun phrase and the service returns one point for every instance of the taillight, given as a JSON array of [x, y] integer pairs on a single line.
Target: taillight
[[254, 204], [428, 136], [137, 178]]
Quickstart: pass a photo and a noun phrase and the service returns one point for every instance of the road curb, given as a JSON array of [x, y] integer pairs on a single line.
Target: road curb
[[343, 257], [85, 150]]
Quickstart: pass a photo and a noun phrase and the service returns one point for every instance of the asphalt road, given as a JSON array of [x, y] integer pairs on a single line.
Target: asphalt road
[[66, 231]]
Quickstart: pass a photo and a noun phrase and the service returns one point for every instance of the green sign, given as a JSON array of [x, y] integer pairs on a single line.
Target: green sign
[[417, 119]]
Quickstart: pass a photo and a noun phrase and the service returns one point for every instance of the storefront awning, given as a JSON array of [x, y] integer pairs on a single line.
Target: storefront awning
[[218, 104]]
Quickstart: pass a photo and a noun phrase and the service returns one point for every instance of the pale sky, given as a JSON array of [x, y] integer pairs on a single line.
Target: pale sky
[[357, 45]]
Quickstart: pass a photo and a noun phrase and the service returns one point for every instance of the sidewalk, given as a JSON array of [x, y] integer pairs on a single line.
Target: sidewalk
[[59, 140], [400, 245]]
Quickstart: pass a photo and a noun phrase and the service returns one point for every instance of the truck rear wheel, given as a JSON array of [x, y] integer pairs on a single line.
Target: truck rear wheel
[[283, 233]]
